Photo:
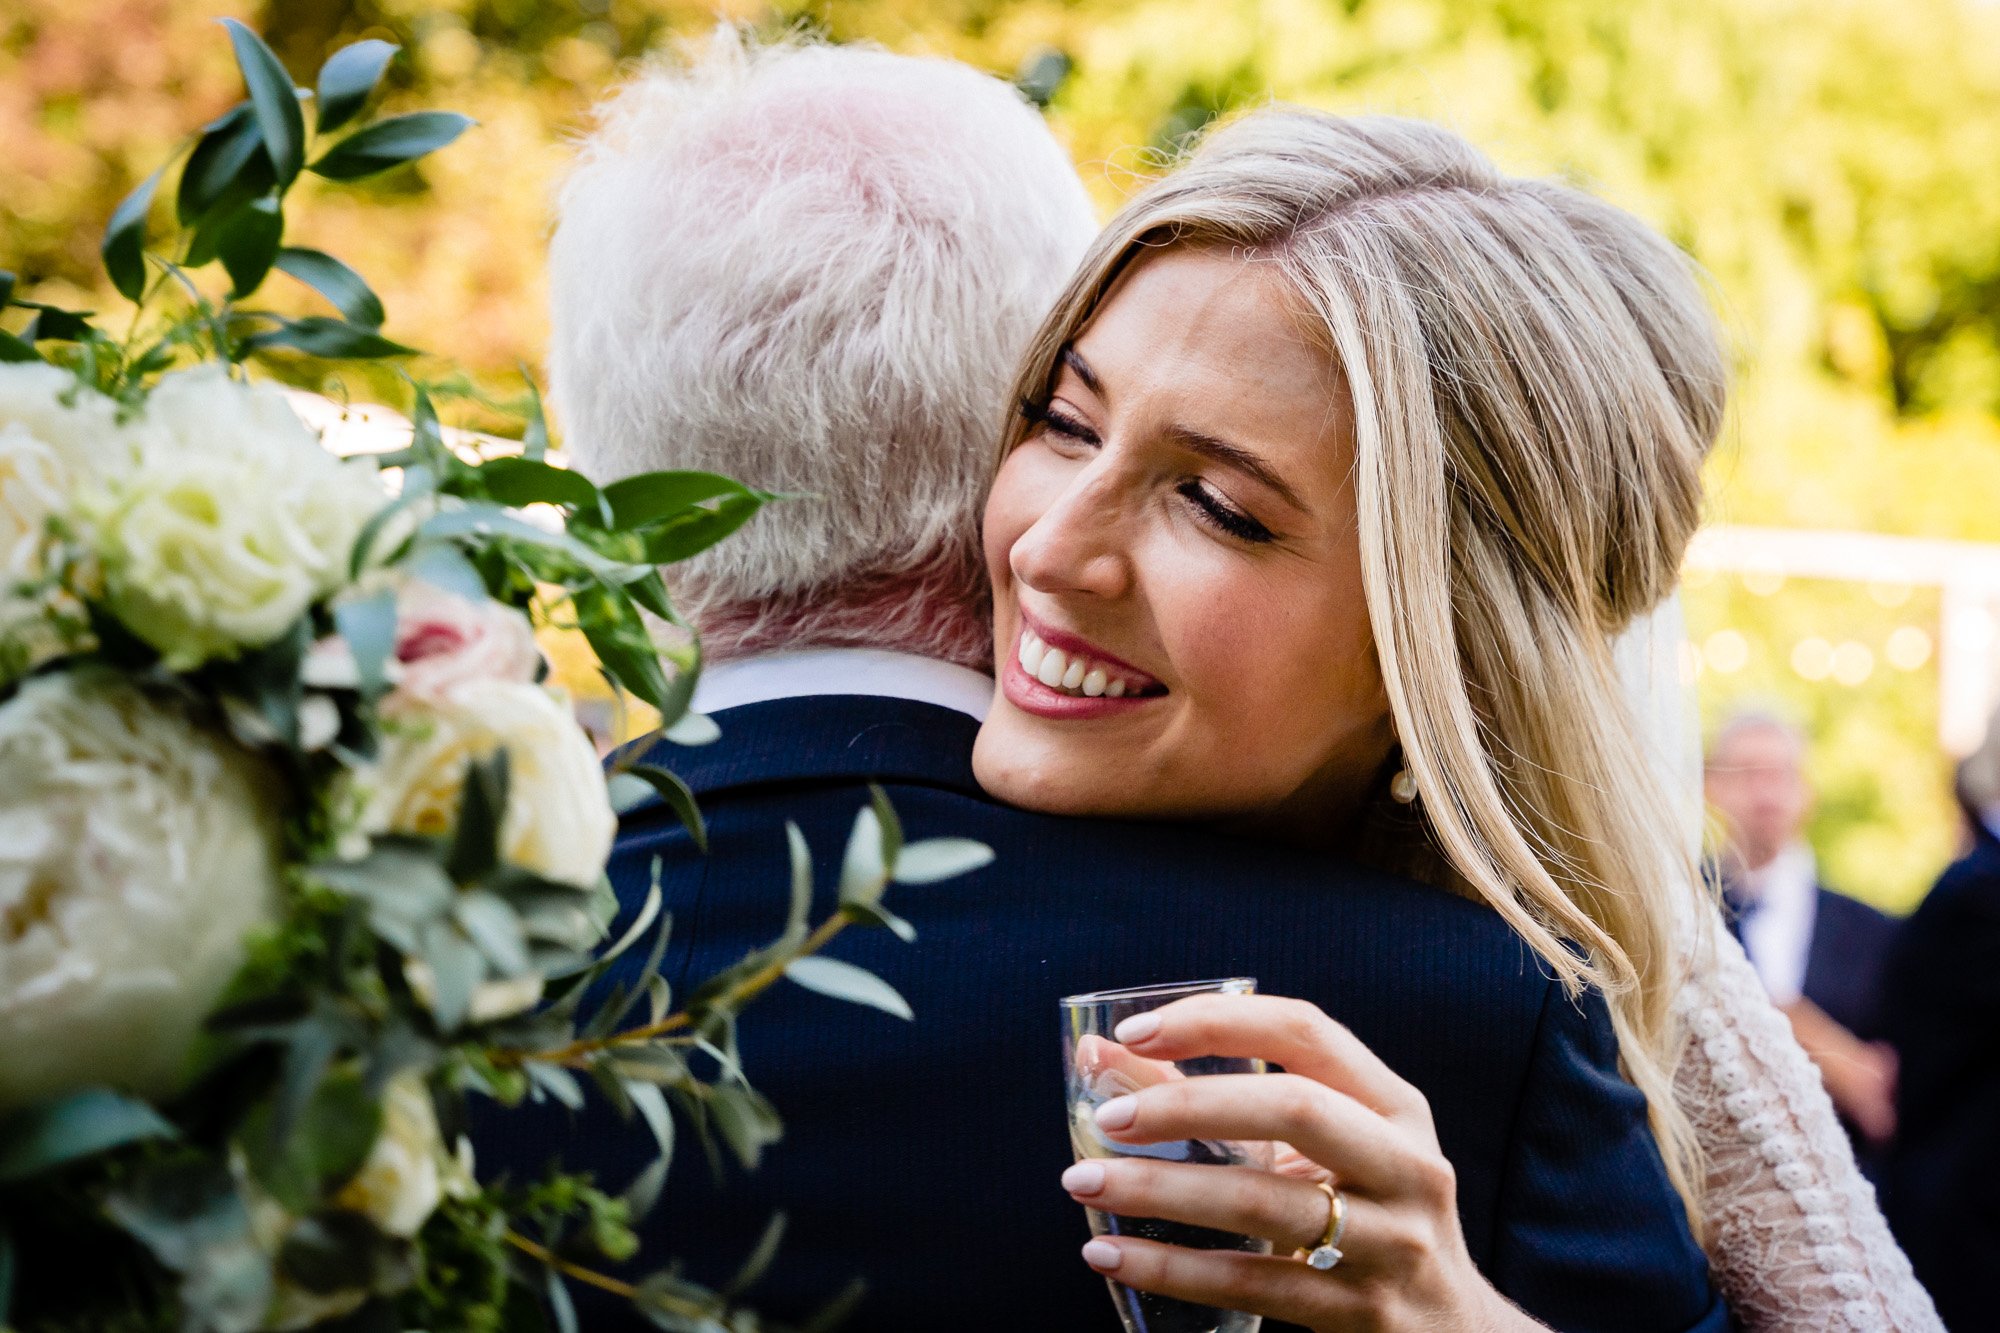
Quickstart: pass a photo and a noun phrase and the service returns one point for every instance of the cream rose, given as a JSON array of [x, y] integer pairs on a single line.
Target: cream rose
[[408, 1172], [233, 522], [136, 852], [559, 821], [57, 439]]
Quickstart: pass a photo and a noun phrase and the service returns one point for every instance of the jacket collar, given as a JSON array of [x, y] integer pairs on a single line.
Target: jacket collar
[[823, 738]]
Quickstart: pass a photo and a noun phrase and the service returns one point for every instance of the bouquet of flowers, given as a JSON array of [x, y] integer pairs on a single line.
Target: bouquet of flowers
[[299, 850]]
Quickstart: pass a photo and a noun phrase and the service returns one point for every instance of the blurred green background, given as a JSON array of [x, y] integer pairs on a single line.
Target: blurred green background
[[1835, 164]]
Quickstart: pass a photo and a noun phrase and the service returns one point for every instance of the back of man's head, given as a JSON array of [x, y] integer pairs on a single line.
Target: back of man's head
[[813, 268]]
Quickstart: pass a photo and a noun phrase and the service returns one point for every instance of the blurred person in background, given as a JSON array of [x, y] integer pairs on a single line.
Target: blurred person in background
[[1820, 954], [1941, 1007]]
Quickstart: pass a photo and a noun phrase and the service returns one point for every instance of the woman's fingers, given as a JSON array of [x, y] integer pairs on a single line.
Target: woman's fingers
[[1288, 1032], [1290, 1213], [1230, 1280], [1107, 1068], [1361, 1148]]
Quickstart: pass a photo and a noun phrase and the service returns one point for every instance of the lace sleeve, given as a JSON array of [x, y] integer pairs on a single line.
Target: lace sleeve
[[1795, 1238]]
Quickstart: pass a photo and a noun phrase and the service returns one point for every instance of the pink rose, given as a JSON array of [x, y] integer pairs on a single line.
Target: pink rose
[[444, 640]]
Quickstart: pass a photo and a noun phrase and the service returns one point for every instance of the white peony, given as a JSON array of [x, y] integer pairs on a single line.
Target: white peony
[[232, 524], [559, 821], [57, 438], [408, 1172], [136, 852]]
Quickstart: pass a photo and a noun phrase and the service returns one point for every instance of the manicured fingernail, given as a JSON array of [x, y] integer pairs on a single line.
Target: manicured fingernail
[[1084, 1178], [1137, 1028], [1101, 1255], [1118, 1113]]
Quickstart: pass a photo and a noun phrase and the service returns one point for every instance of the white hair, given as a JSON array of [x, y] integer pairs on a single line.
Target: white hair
[[813, 268]]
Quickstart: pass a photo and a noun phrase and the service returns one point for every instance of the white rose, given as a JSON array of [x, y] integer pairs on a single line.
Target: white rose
[[559, 821], [408, 1172], [57, 437], [136, 852], [442, 640], [233, 522]]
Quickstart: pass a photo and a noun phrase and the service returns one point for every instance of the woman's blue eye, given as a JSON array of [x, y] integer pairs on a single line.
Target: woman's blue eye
[[1224, 515]]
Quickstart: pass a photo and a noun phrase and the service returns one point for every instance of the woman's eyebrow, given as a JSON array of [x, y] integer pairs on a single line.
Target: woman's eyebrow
[[1236, 456], [1074, 360]]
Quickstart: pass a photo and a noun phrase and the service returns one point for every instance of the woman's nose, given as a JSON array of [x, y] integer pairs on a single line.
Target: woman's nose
[[1078, 544]]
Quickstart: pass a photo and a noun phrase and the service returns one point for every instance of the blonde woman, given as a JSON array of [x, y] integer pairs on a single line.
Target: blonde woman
[[1342, 464]]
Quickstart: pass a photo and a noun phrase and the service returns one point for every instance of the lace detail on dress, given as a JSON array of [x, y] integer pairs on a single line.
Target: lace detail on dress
[[1795, 1238]]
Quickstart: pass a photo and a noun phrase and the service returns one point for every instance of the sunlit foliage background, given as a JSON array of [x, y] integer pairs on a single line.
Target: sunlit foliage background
[[1834, 163]]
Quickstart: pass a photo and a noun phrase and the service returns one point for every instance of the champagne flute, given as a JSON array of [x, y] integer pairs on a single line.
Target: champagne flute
[[1097, 1069]]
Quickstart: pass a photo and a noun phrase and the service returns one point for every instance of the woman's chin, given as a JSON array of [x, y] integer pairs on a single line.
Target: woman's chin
[[1032, 775]]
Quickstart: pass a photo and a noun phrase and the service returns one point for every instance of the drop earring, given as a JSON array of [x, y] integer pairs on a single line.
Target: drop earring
[[1403, 787]]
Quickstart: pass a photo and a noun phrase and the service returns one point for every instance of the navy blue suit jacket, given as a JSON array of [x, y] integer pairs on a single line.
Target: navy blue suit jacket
[[1844, 965], [925, 1156], [1941, 1009]]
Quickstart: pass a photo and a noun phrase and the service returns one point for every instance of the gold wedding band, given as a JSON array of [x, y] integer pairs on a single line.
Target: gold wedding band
[[1327, 1253]]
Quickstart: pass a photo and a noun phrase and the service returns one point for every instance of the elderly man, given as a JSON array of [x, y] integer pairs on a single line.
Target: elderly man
[[1819, 954], [814, 268]]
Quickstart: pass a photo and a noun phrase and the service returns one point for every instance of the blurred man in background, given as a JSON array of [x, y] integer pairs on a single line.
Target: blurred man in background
[[1941, 1006], [1820, 954]]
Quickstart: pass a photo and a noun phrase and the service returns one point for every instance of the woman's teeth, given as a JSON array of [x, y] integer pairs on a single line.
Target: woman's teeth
[[1071, 673]]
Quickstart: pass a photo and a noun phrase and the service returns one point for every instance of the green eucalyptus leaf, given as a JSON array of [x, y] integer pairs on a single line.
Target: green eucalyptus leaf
[[347, 78], [933, 859], [475, 843], [12, 349], [369, 626], [877, 915], [495, 928], [651, 497], [338, 283], [746, 1119], [336, 339], [124, 248], [651, 1104], [192, 1218], [476, 519], [228, 160], [526, 481], [678, 796], [643, 1194], [698, 529], [53, 322], [248, 243], [845, 981], [864, 872], [650, 592], [274, 99], [562, 1310], [390, 143], [535, 439], [836, 1312], [556, 1082], [457, 967], [802, 882], [325, 1145], [759, 1260], [445, 566], [80, 1124]]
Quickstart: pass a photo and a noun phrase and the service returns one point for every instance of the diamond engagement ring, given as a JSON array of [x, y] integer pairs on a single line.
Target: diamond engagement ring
[[1328, 1252]]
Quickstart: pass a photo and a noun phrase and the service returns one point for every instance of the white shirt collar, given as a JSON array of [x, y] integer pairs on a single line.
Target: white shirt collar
[[820, 671], [1778, 934]]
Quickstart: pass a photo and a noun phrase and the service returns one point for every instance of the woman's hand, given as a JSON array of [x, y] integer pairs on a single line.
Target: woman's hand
[[1351, 1121]]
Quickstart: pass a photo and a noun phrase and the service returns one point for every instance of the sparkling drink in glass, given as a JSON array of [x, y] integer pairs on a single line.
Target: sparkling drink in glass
[[1097, 1069]]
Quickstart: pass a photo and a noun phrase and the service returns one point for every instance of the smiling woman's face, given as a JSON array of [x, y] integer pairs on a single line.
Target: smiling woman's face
[[1178, 611]]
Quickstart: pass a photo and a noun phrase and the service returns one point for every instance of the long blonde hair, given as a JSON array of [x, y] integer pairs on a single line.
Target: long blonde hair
[[1536, 378]]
